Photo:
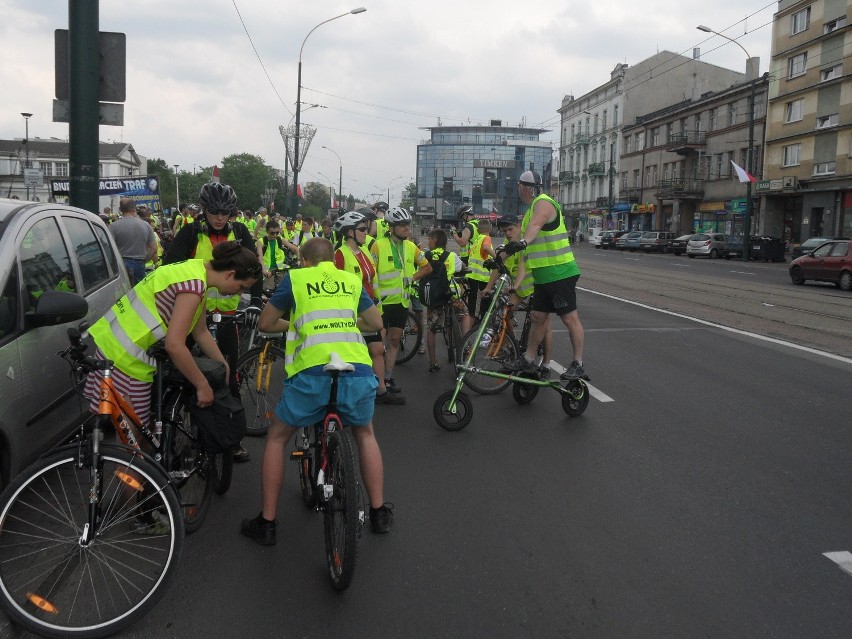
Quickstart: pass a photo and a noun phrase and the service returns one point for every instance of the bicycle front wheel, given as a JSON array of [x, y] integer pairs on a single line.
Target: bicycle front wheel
[[62, 577], [261, 375], [341, 522], [412, 337], [190, 468], [491, 356]]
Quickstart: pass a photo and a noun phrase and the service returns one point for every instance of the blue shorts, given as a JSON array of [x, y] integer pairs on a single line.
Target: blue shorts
[[305, 400]]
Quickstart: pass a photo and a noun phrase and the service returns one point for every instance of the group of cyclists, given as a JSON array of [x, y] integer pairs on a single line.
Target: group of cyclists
[[349, 294]]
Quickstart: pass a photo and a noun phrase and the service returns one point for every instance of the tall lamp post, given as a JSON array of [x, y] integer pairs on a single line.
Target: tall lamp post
[[27, 117], [749, 205], [340, 179], [389, 185], [177, 188], [296, 160]]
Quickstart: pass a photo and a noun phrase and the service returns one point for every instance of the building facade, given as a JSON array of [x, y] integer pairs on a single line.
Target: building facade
[[591, 189], [477, 165], [807, 186]]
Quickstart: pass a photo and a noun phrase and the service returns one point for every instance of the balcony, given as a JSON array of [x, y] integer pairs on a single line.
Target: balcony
[[686, 142], [566, 176], [597, 168], [602, 202], [632, 195], [680, 189], [582, 138]]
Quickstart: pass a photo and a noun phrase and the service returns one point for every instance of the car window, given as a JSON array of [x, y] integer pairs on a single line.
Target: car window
[[45, 265], [824, 250], [839, 249], [90, 255], [9, 305], [107, 247]]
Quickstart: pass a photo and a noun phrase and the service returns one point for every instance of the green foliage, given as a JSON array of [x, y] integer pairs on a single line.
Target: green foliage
[[409, 196], [250, 177], [318, 196]]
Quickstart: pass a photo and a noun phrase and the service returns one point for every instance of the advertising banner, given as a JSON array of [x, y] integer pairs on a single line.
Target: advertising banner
[[143, 189]]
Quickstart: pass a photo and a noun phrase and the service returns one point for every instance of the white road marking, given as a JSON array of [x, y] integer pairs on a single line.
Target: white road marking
[[594, 392], [743, 273], [842, 558]]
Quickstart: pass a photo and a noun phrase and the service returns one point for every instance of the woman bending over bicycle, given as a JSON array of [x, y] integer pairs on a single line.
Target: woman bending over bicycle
[[167, 304]]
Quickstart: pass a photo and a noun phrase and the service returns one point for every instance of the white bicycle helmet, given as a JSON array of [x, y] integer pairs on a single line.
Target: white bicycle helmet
[[348, 221], [397, 215]]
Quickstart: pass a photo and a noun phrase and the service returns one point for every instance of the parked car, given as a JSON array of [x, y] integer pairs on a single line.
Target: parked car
[[609, 238], [809, 245], [629, 241], [710, 245], [46, 247], [830, 262], [656, 241], [678, 245], [595, 234]]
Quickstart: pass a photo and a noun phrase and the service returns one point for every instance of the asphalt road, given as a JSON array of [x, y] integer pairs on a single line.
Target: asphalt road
[[696, 497]]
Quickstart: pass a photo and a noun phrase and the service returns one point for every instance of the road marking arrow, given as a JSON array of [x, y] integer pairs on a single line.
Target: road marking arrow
[[842, 558]]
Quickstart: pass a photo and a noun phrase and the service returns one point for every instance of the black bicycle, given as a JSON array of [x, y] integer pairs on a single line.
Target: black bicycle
[[328, 477]]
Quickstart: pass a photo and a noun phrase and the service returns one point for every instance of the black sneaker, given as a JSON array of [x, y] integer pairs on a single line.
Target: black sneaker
[[574, 371], [434, 368], [381, 518], [390, 398], [241, 454], [521, 365], [260, 530], [544, 372], [390, 384]]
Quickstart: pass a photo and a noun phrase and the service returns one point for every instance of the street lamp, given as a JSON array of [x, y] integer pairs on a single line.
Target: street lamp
[[27, 117], [296, 160], [340, 182], [177, 188], [389, 185], [749, 206]]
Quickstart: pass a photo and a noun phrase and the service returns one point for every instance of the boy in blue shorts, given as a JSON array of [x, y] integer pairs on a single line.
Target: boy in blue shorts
[[323, 310]]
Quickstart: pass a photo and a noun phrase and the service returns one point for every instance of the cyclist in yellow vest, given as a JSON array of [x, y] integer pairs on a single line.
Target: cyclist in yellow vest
[[168, 304], [262, 219], [477, 275], [184, 217], [468, 233], [549, 256], [327, 309], [399, 263], [218, 203], [379, 228]]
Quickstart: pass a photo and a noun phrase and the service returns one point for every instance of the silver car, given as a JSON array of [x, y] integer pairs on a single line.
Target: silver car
[[709, 245], [46, 247]]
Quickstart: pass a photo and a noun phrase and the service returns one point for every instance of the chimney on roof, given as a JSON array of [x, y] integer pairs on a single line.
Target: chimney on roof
[[696, 53]]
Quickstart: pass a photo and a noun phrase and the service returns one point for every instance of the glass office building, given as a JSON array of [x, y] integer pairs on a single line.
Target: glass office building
[[478, 165]]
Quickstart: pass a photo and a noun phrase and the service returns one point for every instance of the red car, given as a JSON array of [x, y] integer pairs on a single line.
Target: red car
[[829, 262]]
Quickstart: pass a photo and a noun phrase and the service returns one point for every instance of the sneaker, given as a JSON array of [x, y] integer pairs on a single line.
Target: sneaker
[[390, 398], [574, 371], [260, 530], [434, 368], [390, 384], [241, 454], [421, 350], [521, 365], [154, 523], [381, 518], [544, 372]]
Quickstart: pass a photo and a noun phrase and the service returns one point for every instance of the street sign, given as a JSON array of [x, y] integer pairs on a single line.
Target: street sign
[[112, 51], [109, 114], [33, 177]]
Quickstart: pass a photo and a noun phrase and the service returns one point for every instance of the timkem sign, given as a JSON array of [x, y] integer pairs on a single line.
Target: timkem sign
[[494, 164]]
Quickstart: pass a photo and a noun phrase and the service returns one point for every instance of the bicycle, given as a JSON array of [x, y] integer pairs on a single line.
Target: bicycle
[[448, 325], [329, 483], [91, 535], [411, 338], [453, 409]]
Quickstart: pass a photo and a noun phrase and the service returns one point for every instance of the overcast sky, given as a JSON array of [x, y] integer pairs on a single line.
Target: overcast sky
[[196, 90]]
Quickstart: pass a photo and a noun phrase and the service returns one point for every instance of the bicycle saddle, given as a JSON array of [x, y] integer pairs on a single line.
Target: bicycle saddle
[[337, 364]]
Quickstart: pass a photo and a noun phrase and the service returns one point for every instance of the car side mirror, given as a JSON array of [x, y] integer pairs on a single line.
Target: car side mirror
[[57, 307]]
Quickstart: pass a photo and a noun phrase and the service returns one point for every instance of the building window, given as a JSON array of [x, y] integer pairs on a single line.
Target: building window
[[636, 179], [797, 65], [604, 120], [791, 155], [62, 169], [793, 111], [668, 133], [831, 73], [732, 114], [801, 20], [47, 168], [640, 141], [615, 115], [655, 136], [834, 25], [824, 168], [825, 121], [628, 144], [713, 122]]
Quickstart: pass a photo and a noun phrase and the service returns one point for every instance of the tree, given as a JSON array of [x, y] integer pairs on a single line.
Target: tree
[[250, 177], [409, 196], [317, 195], [166, 175]]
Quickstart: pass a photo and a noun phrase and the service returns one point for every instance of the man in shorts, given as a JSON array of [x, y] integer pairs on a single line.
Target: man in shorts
[[549, 256], [318, 324]]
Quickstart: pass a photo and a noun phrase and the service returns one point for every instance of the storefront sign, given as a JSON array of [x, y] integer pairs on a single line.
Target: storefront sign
[[494, 164]]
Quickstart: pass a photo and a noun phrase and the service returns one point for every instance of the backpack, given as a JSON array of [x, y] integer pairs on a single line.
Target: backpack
[[435, 287]]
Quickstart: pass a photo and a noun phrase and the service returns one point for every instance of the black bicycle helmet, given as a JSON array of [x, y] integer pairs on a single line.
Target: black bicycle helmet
[[464, 209], [381, 206], [215, 196]]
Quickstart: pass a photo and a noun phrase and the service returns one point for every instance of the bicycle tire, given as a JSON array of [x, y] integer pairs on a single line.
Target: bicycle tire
[[449, 420], [575, 401], [524, 393], [340, 516], [190, 467], [308, 467], [261, 386], [222, 466], [94, 589], [491, 358], [409, 342]]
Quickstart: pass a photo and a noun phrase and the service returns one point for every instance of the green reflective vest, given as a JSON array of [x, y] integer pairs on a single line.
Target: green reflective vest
[[215, 300], [525, 288], [273, 255], [324, 318], [392, 282], [464, 251], [133, 324], [549, 248], [475, 261]]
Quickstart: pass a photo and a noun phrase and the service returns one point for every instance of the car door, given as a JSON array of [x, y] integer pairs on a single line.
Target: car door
[[816, 266], [833, 262]]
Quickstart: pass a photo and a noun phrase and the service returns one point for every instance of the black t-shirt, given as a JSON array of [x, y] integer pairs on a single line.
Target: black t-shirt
[[183, 246]]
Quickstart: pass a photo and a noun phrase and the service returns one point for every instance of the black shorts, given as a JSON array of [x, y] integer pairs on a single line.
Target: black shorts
[[372, 337], [558, 297], [394, 315]]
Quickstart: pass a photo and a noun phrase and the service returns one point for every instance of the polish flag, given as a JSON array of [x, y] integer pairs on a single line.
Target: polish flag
[[742, 174], [215, 173], [333, 203]]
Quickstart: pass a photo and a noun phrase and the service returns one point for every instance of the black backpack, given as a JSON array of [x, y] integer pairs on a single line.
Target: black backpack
[[435, 287]]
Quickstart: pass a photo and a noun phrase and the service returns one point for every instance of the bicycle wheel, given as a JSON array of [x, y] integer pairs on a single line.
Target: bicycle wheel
[[490, 357], [190, 468], [340, 521], [56, 585], [222, 466], [260, 376], [575, 401], [449, 420], [412, 336], [524, 393], [308, 460]]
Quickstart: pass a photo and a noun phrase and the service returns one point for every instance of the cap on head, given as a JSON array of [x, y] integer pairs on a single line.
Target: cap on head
[[530, 178], [508, 220]]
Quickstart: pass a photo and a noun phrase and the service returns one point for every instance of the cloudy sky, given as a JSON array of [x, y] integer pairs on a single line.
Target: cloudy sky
[[208, 78]]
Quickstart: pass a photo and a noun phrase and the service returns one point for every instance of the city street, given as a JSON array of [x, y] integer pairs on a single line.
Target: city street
[[696, 497]]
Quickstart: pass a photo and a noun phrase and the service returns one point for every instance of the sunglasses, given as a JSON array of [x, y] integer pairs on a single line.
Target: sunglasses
[[220, 213], [361, 229]]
